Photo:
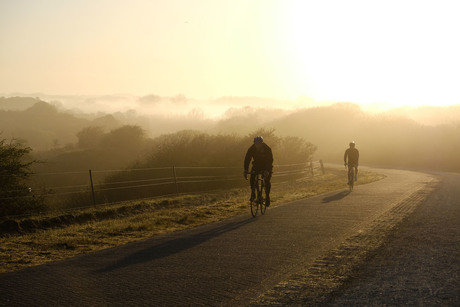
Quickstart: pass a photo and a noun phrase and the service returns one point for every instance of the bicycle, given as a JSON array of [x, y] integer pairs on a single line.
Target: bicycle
[[258, 202], [351, 176]]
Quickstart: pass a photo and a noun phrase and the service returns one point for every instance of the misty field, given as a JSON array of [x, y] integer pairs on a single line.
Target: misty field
[[96, 229]]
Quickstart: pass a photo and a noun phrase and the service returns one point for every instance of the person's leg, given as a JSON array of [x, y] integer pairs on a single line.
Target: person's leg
[[268, 186]]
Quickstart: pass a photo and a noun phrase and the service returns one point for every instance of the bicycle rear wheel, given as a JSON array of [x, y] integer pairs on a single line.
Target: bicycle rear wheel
[[254, 203], [351, 178], [261, 198]]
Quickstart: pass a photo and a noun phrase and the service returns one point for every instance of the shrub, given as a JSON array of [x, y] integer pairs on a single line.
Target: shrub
[[15, 195]]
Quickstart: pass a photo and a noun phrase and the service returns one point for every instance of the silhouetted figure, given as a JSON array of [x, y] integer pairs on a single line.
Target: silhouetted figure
[[352, 154], [262, 161]]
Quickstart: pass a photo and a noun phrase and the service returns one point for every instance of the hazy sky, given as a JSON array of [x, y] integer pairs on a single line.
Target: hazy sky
[[396, 52]]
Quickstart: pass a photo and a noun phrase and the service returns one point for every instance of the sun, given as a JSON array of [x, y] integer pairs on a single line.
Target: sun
[[348, 51]]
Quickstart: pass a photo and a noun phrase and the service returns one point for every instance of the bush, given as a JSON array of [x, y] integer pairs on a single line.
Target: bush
[[15, 195]]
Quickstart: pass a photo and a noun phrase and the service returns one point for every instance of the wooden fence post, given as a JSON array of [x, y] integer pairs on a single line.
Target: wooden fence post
[[175, 180], [92, 187], [322, 166]]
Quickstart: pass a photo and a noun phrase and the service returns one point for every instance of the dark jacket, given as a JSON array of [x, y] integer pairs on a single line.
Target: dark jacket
[[262, 158], [353, 156]]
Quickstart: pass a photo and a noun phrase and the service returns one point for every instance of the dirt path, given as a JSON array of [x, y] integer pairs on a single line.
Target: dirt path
[[231, 262]]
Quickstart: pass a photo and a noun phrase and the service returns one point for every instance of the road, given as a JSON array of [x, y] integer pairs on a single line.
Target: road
[[420, 264], [225, 263]]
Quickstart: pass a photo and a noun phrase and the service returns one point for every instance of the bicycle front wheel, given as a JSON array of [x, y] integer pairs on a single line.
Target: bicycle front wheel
[[262, 202], [351, 178]]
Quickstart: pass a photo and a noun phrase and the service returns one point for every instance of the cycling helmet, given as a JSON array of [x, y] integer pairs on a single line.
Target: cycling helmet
[[352, 143], [258, 139]]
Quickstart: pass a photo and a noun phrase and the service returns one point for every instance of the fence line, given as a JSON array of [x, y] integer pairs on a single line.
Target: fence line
[[177, 183], [134, 186], [180, 179], [134, 181], [133, 169]]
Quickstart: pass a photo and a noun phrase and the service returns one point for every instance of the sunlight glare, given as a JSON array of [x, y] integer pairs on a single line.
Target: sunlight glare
[[369, 53]]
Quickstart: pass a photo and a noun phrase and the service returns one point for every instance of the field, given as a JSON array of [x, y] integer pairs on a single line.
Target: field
[[49, 238]]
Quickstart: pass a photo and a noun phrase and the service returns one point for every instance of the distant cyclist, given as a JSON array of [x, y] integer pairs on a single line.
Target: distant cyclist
[[262, 161], [352, 155]]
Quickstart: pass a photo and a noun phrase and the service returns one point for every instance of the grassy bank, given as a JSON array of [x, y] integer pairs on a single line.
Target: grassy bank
[[50, 238]]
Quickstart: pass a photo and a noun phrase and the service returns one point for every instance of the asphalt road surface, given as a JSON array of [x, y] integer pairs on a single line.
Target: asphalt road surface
[[225, 263]]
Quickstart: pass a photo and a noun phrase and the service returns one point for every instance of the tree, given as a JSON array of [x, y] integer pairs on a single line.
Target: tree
[[90, 137], [15, 170], [130, 137], [295, 150]]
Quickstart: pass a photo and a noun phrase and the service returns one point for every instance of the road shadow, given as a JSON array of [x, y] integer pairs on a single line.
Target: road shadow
[[173, 246], [335, 197]]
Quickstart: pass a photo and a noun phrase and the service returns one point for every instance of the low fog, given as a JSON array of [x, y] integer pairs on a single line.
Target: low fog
[[167, 106], [53, 126]]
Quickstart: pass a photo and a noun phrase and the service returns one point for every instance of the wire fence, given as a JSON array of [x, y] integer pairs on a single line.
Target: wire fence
[[67, 190]]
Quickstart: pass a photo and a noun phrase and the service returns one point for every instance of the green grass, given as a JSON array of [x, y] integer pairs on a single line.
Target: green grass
[[94, 229]]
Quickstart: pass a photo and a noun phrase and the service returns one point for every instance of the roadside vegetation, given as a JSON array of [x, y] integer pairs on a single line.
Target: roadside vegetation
[[129, 166], [39, 239], [15, 170]]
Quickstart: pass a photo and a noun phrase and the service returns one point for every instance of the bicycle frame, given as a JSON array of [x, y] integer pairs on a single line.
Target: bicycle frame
[[351, 176], [259, 201]]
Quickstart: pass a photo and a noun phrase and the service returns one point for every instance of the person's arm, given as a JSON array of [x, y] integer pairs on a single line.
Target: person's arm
[[247, 160], [270, 159], [345, 157]]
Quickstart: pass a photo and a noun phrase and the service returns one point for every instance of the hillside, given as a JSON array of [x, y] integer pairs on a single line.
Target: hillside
[[382, 139], [17, 103], [397, 138], [430, 115], [42, 126]]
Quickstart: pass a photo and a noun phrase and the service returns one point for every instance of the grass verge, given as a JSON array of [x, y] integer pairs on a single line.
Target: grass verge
[[49, 238]]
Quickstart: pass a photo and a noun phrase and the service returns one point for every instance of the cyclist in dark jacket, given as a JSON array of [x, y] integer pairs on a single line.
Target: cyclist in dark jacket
[[262, 161], [352, 154]]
